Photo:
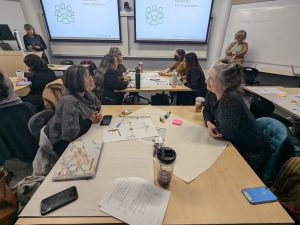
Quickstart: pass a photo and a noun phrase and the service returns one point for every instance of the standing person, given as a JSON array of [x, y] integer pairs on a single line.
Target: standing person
[[118, 53], [77, 110], [178, 66], [194, 79], [227, 116], [236, 50], [40, 75], [34, 42], [108, 79]]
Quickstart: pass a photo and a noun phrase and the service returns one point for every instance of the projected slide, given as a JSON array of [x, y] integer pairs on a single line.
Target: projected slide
[[172, 20], [82, 19]]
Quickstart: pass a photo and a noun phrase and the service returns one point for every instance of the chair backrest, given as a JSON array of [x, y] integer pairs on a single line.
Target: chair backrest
[[37, 122], [67, 62], [281, 147], [250, 74], [92, 67], [14, 131], [261, 107], [52, 94]]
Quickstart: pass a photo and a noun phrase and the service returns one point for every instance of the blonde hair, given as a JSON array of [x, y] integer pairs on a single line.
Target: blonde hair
[[230, 75]]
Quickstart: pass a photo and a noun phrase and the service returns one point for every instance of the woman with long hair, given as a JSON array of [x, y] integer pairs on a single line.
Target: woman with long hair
[[194, 79], [107, 80], [178, 66]]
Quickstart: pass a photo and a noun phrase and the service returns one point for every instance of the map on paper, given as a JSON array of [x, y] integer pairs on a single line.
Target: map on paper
[[79, 161], [123, 129]]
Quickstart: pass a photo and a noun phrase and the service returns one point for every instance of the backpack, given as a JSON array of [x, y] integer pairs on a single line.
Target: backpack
[[160, 99]]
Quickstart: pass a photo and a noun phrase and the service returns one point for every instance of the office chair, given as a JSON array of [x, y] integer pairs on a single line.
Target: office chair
[[250, 75], [67, 62]]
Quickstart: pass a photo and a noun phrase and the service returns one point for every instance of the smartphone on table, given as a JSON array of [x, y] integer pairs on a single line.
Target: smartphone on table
[[258, 195], [106, 120], [58, 200]]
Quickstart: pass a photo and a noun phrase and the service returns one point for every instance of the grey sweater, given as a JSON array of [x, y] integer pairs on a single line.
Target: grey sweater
[[237, 125], [71, 109]]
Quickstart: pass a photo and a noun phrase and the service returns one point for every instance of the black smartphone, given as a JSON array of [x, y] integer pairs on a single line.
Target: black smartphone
[[58, 200], [106, 120]]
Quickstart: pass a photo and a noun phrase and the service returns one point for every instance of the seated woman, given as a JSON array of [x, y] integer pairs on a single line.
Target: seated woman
[[227, 116], [40, 75], [194, 79], [77, 109], [118, 53], [178, 66], [236, 50], [16, 140], [108, 79]]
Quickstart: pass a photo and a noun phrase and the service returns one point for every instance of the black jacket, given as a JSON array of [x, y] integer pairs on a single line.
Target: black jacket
[[35, 40], [16, 140], [112, 82], [237, 125]]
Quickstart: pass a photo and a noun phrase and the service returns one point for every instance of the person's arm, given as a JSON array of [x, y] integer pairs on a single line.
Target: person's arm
[[116, 83], [243, 51], [229, 116], [70, 121], [228, 50], [193, 81], [44, 46], [207, 110], [26, 43]]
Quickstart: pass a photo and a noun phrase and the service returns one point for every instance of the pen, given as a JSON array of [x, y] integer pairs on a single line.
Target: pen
[[120, 123]]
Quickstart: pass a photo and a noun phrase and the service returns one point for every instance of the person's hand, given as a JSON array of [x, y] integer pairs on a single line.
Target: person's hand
[[126, 77], [212, 130], [36, 47], [160, 73], [95, 117], [126, 72]]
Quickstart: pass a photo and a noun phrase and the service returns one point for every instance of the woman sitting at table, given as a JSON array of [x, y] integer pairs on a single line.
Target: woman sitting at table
[[118, 53], [77, 109], [40, 75], [178, 66], [227, 116], [34, 42], [194, 79], [108, 80]]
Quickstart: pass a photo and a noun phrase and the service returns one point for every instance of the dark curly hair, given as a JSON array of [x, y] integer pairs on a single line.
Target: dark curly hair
[[3, 88], [35, 63]]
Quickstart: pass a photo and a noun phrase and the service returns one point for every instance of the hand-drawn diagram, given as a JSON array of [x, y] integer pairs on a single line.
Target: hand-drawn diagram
[[129, 128]]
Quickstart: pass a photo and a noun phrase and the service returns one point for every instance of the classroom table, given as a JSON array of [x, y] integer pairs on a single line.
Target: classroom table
[[59, 67], [11, 61], [289, 102], [214, 197], [158, 86], [19, 90]]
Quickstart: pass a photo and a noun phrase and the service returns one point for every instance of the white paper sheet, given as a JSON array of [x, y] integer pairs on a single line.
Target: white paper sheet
[[123, 129], [267, 90], [136, 201], [196, 149]]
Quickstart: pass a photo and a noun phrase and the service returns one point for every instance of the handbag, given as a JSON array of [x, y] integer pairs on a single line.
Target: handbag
[[8, 203]]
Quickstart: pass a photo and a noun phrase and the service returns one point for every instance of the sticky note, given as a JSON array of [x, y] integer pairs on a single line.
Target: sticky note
[[281, 95], [177, 122]]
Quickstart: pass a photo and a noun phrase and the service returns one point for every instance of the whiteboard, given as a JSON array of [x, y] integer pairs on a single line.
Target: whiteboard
[[273, 31]]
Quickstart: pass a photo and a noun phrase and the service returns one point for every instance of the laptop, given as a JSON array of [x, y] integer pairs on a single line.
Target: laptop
[[79, 161]]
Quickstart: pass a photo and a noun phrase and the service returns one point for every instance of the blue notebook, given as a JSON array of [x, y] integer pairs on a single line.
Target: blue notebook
[[257, 195]]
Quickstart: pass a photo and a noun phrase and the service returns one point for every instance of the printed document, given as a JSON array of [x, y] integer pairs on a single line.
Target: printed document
[[136, 201]]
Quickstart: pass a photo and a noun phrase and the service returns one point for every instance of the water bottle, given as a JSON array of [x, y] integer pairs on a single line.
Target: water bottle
[[137, 78], [174, 79]]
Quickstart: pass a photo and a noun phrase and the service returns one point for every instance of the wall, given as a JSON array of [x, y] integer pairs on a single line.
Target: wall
[[11, 13], [31, 13]]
